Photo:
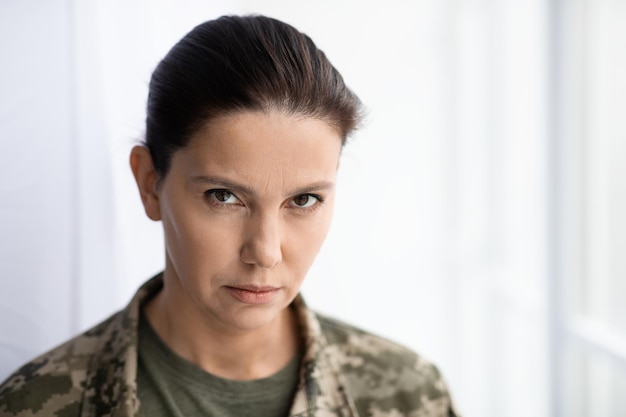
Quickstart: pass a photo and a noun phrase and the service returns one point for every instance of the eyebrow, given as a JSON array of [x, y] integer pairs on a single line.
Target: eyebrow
[[233, 186]]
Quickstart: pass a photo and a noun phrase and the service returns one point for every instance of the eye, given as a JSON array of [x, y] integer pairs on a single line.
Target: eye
[[222, 197], [306, 200]]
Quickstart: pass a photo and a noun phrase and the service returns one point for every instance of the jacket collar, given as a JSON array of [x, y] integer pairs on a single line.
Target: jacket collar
[[111, 380]]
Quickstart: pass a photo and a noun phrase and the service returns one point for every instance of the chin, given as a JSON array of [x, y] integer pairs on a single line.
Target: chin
[[252, 318]]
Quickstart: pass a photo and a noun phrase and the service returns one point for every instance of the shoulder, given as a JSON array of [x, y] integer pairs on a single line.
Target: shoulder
[[350, 341], [53, 383], [384, 378]]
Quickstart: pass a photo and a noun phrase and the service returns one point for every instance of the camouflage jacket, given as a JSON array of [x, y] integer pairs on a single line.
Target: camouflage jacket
[[345, 372]]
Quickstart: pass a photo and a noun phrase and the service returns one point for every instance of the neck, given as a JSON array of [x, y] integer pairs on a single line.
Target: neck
[[224, 352]]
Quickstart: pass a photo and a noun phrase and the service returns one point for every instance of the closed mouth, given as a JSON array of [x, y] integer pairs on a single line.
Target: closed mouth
[[253, 288]]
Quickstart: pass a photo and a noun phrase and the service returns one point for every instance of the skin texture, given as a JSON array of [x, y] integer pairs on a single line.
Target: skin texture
[[245, 207]]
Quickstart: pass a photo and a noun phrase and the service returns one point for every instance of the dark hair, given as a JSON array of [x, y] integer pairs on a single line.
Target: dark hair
[[238, 63]]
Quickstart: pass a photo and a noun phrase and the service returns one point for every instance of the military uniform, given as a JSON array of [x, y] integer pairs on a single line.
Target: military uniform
[[345, 372]]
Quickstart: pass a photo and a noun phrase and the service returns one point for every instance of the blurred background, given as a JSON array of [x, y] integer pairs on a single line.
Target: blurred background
[[477, 219]]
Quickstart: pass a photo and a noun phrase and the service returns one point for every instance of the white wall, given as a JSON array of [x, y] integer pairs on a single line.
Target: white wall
[[37, 180]]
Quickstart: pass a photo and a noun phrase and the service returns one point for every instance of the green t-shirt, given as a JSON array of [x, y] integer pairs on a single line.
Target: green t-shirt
[[171, 386]]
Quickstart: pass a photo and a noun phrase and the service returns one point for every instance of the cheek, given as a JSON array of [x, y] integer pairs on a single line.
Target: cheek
[[309, 238], [195, 239]]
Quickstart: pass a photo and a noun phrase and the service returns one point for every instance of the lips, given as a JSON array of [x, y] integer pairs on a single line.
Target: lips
[[251, 294]]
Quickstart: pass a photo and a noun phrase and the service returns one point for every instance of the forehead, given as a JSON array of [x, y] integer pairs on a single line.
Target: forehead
[[263, 149]]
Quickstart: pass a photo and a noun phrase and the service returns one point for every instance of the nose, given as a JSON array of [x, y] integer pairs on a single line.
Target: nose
[[262, 242]]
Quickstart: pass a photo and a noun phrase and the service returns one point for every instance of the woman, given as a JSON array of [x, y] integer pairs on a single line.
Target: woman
[[246, 122]]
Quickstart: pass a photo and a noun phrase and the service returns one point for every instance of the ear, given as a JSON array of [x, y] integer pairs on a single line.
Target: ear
[[146, 178]]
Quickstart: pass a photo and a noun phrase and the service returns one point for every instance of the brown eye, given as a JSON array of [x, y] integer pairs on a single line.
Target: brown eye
[[305, 200], [301, 200], [222, 197]]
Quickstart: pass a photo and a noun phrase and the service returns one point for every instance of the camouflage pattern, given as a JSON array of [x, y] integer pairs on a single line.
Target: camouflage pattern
[[345, 372]]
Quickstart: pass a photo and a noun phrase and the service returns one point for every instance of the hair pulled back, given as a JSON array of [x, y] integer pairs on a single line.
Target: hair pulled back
[[238, 63]]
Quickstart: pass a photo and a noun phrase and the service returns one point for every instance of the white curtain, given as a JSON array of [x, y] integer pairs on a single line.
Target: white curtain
[[461, 203]]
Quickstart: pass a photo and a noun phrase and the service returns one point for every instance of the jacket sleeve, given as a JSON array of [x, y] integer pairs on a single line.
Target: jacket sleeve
[[47, 386]]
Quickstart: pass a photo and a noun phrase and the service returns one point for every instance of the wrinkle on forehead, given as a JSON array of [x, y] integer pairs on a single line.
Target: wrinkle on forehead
[[268, 153]]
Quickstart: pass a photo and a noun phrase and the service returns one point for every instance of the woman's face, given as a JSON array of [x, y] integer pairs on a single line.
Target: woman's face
[[245, 208]]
